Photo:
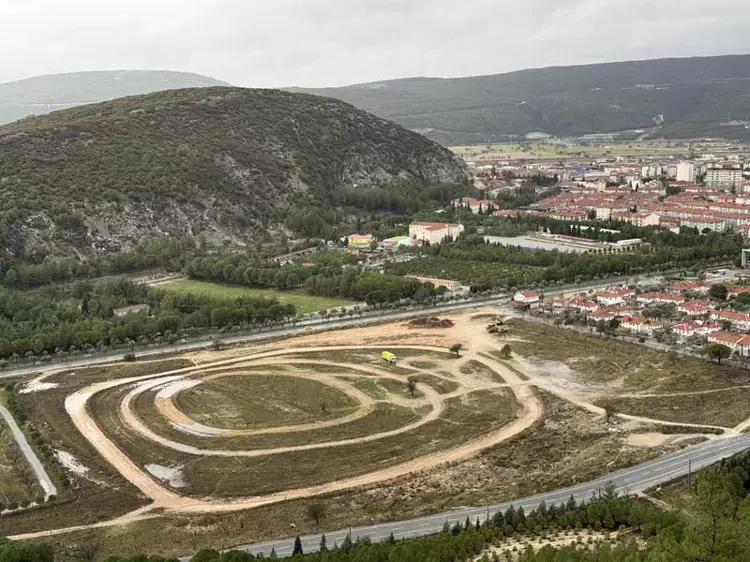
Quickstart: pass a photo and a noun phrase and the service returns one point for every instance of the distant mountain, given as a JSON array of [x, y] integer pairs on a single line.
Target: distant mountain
[[42, 94], [231, 162], [678, 98]]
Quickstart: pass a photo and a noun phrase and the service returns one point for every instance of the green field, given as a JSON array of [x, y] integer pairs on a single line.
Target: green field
[[260, 401], [305, 304]]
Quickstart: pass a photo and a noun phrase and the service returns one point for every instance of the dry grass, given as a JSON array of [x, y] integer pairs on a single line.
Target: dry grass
[[605, 361], [258, 401]]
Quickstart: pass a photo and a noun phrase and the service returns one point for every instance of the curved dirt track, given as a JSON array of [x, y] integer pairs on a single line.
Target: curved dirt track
[[529, 410]]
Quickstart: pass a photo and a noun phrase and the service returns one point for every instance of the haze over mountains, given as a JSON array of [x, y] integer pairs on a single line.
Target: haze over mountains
[[675, 98], [42, 94]]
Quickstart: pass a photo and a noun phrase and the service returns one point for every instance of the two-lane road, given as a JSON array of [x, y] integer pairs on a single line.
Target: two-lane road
[[635, 479]]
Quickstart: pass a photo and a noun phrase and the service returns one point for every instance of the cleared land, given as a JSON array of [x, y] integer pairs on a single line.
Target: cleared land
[[255, 401], [305, 303], [503, 429]]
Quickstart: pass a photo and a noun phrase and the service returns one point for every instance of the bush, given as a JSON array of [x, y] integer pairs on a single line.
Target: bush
[[129, 357]]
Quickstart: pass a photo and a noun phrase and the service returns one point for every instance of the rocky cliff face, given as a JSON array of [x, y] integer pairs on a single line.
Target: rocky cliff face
[[227, 161]]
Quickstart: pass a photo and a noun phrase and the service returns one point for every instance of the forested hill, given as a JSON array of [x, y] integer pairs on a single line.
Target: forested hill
[[42, 94], [681, 97], [228, 161]]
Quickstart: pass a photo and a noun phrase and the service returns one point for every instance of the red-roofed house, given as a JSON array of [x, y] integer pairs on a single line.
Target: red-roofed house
[[641, 325], [611, 298], [527, 299], [660, 298], [688, 286], [739, 320], [739, 343], [696, 307], [702, 329]]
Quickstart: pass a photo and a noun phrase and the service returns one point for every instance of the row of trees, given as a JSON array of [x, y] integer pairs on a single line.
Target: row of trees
[[326, 276]]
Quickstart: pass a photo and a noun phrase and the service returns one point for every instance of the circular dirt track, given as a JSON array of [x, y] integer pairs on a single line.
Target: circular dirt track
[[442, 397]]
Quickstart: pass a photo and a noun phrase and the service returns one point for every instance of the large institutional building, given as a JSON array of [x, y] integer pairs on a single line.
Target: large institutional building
[[434, 233]]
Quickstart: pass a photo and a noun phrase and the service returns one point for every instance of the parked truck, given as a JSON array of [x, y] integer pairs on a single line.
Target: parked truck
[[388, 356]]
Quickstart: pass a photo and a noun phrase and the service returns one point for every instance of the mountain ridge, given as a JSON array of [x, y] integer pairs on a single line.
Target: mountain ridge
[[674, 97], [38, 95]]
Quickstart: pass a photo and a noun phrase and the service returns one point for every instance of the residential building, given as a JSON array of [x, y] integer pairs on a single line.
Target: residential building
[[641, 325], [434, 233], [738, 320], [696, 307], [660, 298], [727, 178], [527, 299], [738, 343], [396, 242], [614, 297], [697, 329], [686, 172]]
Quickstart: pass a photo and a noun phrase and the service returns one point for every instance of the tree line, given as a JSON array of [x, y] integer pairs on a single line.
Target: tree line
[[80, 317]]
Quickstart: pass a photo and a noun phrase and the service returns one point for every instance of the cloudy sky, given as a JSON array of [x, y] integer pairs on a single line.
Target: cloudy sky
[[336, 42]]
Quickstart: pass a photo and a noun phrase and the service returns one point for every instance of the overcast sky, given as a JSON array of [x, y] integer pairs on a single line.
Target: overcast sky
[[335, 42]]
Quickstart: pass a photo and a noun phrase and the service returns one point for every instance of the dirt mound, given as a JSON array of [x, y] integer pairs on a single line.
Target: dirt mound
[[431, 322]]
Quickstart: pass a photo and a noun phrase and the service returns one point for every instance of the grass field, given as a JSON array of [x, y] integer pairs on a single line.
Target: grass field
[[305, 304], [259, 401]]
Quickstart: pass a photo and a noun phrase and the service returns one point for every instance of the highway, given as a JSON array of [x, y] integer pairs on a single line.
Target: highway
[[630, 480]]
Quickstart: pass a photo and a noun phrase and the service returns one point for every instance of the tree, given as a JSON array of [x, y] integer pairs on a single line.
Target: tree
[[718, 292], [411, 384], [506, 352], [673, 355], [609, 413], [323, 545], [316, 512], [456, 348], [717, 352], [297, 547]]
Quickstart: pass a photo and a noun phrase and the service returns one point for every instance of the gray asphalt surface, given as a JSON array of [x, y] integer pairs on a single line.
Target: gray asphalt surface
[[635, 479], [44, 480]]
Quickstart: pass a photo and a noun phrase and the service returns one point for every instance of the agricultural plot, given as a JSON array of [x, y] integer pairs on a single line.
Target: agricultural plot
[[492, 274]]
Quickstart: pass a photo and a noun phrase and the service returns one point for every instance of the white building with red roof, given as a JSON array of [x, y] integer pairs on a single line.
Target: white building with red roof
[[700, 329], [641, 325], [739, 320], [739, 343], [614, 297], [434, 233], [696, 307], [527, 299], [660, 298]]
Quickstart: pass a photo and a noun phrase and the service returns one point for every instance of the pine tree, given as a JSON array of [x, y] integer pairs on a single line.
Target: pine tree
[[273, 555], [297, 547], [498, 520], [346, 546], [446, 527], [391, 539], [477, 525], [323, 545], [467, 524]]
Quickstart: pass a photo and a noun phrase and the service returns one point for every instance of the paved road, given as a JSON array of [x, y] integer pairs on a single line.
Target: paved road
[[636, 479], [44, 480]]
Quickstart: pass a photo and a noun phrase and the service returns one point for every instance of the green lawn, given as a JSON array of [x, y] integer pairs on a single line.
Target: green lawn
[[305, 303]]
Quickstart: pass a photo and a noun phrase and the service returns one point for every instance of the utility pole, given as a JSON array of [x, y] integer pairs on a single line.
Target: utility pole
[[690, 474]]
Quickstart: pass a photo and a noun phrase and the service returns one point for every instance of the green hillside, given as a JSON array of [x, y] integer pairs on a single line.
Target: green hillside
[[231, 162], [678, 97]]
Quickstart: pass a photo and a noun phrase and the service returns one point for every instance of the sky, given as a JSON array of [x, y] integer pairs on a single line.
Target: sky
[[317, 43]]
